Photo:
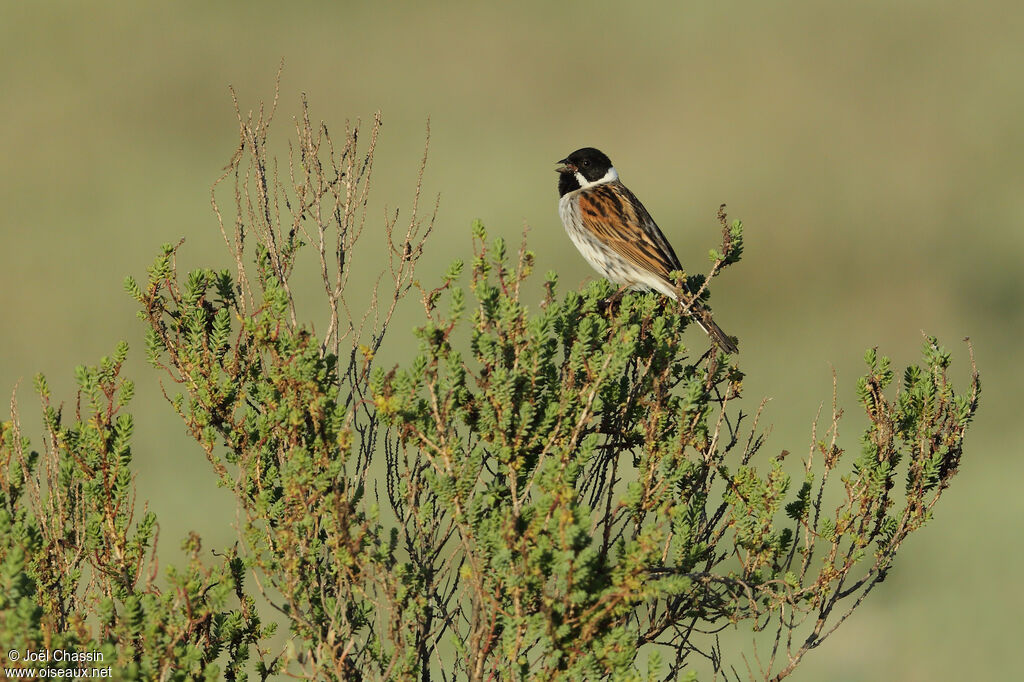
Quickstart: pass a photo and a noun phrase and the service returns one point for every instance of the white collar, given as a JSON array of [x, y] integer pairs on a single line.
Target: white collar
[[611, 176]]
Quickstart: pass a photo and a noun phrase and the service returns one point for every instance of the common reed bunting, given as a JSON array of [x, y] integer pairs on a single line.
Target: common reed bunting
[[618, 237]]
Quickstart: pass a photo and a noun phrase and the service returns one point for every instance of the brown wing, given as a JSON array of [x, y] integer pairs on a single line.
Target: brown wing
[[615, 216]]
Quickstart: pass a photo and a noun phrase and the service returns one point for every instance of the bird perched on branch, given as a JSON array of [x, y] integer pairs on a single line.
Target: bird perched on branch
[[619, 238]]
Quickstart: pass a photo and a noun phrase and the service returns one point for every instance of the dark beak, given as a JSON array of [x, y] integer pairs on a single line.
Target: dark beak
[[566, 167]]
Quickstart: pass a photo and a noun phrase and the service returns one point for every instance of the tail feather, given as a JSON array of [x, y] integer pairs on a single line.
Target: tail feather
[[702, 316], [721, 339]]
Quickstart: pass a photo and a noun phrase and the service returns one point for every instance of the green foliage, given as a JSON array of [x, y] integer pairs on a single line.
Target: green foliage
[[556, 492], [77, 568], [286, 418], [602, 498]]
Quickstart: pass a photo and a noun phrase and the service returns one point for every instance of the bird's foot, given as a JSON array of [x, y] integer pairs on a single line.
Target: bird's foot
[[610, 305]]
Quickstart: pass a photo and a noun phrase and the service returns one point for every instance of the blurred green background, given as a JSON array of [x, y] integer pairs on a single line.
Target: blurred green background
[[874, 151]]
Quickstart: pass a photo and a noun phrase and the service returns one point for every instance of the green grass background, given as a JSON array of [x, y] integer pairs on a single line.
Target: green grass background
[[874, 151]]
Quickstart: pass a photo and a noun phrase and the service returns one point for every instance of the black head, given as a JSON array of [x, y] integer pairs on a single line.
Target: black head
[[583, 165]]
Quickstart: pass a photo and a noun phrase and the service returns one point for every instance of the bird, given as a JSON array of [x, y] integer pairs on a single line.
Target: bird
[[617, 236]]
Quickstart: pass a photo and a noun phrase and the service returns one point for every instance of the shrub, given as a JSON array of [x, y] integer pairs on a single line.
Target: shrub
[[554, 492]]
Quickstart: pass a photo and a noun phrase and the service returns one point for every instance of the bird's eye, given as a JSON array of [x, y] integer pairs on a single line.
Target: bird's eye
[[586, 163]]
